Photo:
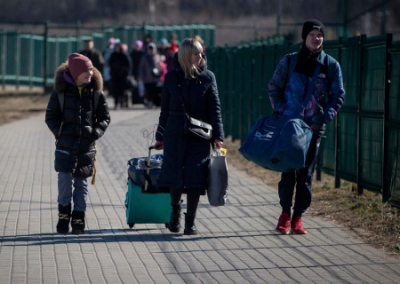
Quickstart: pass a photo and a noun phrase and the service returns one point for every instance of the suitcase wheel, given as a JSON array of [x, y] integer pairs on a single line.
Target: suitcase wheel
[[131, 225], [166, 225]]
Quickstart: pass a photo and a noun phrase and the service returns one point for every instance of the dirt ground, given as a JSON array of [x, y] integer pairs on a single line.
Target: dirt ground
[[376, 223], [16, 105]]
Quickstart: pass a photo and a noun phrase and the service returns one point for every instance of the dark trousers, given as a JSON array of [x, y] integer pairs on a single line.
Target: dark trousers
[[118, 87], [302, 180], [151, 92], [193, 197]]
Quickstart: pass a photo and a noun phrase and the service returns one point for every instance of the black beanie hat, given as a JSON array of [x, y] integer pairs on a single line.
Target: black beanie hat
[[312, 25]]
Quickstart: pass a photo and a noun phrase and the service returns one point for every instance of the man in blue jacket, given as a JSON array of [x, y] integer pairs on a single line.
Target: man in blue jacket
[[287, 89]]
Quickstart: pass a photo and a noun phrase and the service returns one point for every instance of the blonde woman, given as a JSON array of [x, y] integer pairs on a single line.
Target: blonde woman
[[192, 88]]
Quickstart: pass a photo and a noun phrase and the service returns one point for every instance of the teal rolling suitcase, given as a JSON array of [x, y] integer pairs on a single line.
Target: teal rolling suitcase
[[145, 202]]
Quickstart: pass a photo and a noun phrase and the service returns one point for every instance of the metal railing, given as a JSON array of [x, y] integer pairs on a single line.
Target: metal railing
[[31, 59]]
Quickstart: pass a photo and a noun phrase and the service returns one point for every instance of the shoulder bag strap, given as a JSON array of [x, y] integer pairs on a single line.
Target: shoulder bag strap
[[180, 93], [61, 101], [292, 58], [311, 85]]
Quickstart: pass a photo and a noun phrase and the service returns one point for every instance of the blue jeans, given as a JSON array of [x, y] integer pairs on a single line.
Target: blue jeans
[[302, 180], [69, 188]]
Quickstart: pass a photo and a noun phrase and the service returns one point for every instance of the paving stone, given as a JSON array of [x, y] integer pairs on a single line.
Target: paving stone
[[237, 243]]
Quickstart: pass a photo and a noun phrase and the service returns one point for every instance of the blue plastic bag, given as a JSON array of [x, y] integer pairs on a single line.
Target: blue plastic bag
[[278, 143]]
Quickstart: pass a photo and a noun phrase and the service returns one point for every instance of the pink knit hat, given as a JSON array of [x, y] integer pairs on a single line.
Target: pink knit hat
[[138, 43], [78, 63]]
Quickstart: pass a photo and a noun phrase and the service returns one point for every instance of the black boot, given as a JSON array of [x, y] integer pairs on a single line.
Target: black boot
[[190, 227], [193, 197], [64, 216], [78, 222], [174, 224]]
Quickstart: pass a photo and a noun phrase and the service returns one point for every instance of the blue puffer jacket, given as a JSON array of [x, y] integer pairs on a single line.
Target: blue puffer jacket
[[287, 95], [186, 159]]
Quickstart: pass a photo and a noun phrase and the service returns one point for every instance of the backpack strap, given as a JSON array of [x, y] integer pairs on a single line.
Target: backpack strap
[[292, 60], [331, 65], [96, 99], [329, 61], [61, 101], [311, 85], [61, 98]]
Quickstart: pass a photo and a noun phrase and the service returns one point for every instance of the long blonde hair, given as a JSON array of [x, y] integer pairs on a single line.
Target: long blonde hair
[[187, 48]]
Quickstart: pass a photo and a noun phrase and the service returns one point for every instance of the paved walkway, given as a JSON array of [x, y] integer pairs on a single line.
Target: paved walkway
[[237, 243]]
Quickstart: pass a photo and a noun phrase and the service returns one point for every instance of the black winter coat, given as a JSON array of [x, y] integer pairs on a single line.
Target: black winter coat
[[76, 127], [186, 159], [120, 64]]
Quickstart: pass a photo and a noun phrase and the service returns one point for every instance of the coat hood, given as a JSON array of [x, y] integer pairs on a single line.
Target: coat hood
[[152, 45], [63, 77]]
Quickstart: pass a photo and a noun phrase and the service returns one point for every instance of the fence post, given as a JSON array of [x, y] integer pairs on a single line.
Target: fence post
[[3, 37], [360, 188], [31, 64], [45, 39], [337, 125], [17, 60], [144, 29], [78, 35], [386, 173]]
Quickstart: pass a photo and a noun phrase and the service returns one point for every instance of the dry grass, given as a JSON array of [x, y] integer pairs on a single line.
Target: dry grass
[[376, 223], [16, 105]]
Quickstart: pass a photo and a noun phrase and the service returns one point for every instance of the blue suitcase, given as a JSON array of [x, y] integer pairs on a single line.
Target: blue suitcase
[[145, 202]]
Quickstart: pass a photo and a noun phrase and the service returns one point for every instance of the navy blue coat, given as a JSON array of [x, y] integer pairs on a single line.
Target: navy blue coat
[[186, 158]]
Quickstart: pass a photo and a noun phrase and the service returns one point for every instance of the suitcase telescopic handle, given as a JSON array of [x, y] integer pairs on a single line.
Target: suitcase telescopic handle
[[147, 164], [147, 172], [148, 156]]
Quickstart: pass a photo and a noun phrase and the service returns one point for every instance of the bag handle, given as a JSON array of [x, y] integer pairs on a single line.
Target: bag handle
[[217, 152], [292, 60], [146, 173], [311, 85]]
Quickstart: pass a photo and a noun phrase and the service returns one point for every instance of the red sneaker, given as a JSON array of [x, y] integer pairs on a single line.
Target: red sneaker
[[297, 226], [283, 224]]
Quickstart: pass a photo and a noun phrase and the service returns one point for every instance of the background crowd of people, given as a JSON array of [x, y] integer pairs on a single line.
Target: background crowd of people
[[134, 76]]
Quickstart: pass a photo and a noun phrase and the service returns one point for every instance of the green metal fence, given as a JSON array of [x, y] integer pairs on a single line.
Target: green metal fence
[[392, 123], [31, 59], [362, 144]]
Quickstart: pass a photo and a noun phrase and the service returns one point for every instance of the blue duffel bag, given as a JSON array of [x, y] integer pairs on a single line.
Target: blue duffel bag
[[278, 143]]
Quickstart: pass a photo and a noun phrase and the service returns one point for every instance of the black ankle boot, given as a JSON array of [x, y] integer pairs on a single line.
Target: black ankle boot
[[64, 216], [190, 227], [78, 222], [193, 197], [174, 224]]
